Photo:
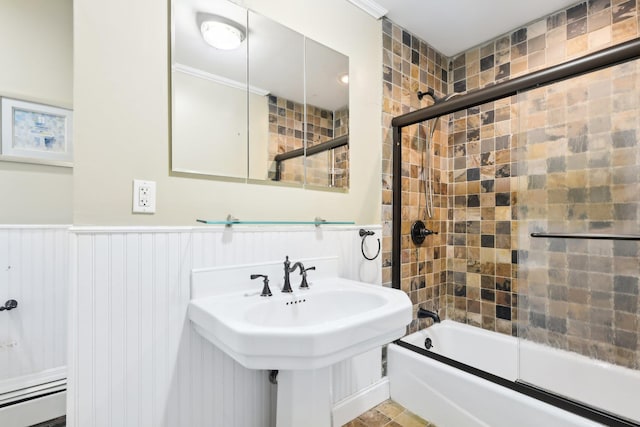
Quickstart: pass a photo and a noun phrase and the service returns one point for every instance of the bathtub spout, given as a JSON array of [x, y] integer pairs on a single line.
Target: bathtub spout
[[423, 313]]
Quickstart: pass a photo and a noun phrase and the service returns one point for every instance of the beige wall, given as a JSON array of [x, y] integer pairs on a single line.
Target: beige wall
[[122, 110], [36, 51], [203, 130]]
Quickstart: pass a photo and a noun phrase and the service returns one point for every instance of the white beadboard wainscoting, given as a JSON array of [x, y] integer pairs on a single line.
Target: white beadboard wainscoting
[[34, 271], [134, 358]]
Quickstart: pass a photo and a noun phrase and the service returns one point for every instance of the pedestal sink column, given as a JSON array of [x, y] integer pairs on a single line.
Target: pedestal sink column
[[304, 398]]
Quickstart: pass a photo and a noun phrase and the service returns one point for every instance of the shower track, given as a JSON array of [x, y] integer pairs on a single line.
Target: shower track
[[340, 141], [605, 58], [587, 236]]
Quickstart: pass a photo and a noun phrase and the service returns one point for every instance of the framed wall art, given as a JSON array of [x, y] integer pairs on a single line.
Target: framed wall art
[[36, 133]]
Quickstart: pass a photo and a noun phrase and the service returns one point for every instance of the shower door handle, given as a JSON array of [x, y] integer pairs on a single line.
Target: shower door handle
[[9, 305]]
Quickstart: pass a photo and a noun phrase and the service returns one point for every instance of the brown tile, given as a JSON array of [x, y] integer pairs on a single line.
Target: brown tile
[[577, 46], [409, 419], [624, 30], [390, 408], [374, 418], [355, 423]]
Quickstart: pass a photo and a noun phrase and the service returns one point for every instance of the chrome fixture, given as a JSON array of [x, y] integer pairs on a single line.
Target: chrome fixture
[[266, 292]]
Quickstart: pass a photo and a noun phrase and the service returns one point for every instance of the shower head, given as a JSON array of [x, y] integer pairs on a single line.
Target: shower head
[[428, 92]]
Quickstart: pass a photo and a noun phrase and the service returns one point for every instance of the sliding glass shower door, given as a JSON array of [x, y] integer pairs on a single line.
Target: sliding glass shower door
[[578, 238]]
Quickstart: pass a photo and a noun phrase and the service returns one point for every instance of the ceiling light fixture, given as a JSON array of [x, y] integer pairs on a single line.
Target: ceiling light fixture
[[344, 78], [220, 32]]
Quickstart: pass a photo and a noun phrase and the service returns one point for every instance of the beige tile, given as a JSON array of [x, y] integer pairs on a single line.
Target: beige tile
[[390, 408], [600, 20], [556, 53], [374, 418], [409, 419], [577, 46], [537, 28], [355, 423], [473, 68], [472, 55], [624, 30], [600, 38]]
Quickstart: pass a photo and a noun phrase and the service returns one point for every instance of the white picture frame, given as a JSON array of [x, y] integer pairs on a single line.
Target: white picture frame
[[36, 133]]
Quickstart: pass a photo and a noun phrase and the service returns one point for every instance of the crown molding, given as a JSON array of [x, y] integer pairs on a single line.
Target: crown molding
[[371, 7], [185, 69]]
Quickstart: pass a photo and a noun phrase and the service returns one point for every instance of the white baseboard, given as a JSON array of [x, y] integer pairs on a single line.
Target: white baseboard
[[34, 411], [359, 403]]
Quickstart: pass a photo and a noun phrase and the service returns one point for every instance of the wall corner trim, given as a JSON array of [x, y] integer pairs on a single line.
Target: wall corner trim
[[371, 7]]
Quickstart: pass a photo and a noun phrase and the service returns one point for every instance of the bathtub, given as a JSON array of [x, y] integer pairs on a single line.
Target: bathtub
[[481, 388]]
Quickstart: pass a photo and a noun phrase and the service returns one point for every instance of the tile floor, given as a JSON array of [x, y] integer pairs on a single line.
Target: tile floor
[[388, 414]]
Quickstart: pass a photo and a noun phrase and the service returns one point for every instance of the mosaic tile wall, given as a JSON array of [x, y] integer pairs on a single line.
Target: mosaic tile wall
[[580, 174], [341, 154], [286, 124], [481, 282], [474, 258], [286, 133], [409, 66], [483, 157]]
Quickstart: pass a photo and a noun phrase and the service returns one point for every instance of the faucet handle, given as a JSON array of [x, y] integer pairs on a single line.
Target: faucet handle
[[266, 292], [303, 272]]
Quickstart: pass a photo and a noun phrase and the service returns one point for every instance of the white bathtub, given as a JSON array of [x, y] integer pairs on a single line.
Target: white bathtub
[[450, 397]]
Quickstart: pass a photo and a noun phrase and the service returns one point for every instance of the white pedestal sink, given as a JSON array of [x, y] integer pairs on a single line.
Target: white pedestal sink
[[304, 398], [301, 334]]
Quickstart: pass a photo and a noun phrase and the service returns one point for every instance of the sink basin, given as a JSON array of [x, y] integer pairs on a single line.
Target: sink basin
[[311, 309], [308, 329], [299, 334]]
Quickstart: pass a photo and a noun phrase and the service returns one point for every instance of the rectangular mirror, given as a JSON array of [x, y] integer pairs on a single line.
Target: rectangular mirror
[[276, 64], [209, 91], [273, 108], [327, 110]]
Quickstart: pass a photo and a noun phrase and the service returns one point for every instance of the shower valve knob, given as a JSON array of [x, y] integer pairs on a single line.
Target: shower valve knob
[[419, 232]]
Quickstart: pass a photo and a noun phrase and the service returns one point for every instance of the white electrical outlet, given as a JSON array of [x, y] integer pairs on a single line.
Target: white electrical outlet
[[144, 196]]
